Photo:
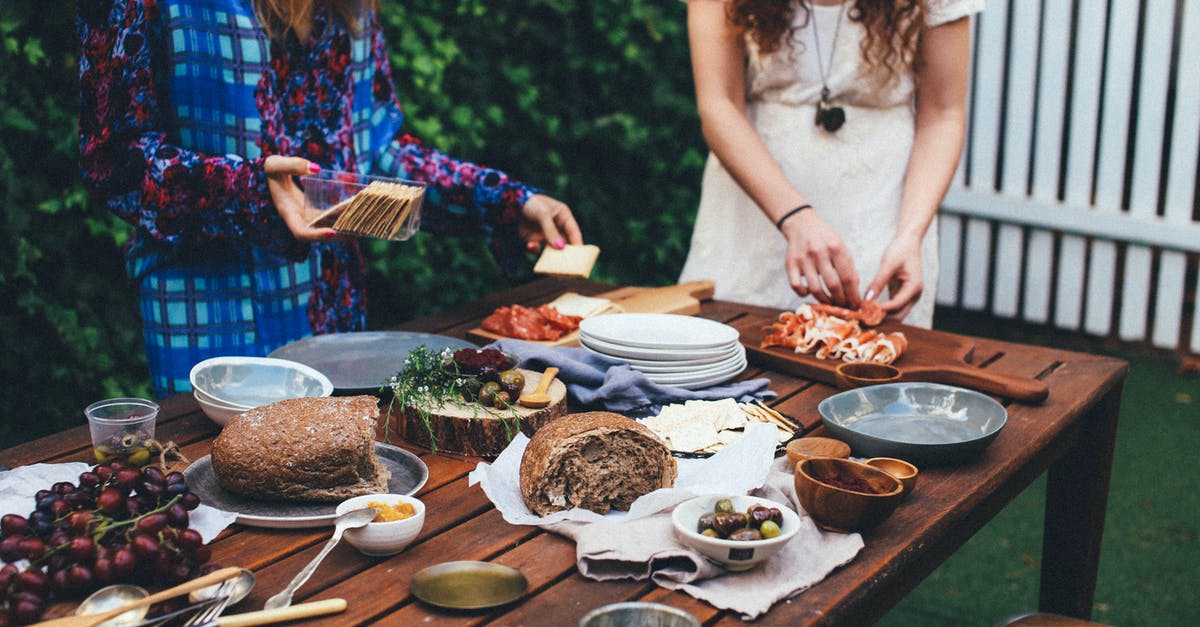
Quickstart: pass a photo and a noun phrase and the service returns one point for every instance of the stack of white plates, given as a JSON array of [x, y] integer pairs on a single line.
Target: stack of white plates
[[679, 351]]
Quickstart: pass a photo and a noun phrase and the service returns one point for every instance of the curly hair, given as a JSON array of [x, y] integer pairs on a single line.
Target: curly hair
[[893, 29], [280, 17]]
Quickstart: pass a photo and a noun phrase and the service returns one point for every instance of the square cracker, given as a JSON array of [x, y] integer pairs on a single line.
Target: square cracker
[[570, 261]]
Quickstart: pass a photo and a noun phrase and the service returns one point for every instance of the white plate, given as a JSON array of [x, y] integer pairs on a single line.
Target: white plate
[[694, 377], [657, 354], [409, 474], [727, 356], [667, 331], [670, 368], [703, 383]]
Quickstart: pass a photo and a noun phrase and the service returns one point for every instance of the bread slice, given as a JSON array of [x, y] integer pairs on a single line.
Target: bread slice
[[303, 449], [596, 460]]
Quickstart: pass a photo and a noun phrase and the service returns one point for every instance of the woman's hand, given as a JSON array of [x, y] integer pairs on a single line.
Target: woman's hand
[[900, 273], [817, 261], [289, 198], [544, 219]]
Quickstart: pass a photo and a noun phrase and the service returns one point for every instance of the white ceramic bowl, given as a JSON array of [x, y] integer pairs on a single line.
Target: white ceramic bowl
[[384, 538], [732, 554], [249, 382], [219, 413]]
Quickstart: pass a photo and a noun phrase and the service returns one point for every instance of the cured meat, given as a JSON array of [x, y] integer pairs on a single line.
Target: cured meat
[[869, 312], [524, 323], [817, 329]]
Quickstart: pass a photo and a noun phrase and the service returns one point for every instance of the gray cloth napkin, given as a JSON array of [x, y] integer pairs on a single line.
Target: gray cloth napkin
[[595, 381], [647, 548]]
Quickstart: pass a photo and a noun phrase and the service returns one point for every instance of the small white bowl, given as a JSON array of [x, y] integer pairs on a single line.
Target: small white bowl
[[249, 382], [219, 413], [384, 538], [732, 554]]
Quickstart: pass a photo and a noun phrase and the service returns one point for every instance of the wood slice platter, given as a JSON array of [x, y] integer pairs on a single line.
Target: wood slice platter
[[932, 356], [471, 429], [683, 299]]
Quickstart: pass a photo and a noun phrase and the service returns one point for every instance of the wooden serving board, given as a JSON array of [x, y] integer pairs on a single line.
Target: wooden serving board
[[681, 299], [932, 356]]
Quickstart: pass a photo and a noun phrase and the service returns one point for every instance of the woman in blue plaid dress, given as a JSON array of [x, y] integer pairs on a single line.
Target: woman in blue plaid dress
[[196, 115]]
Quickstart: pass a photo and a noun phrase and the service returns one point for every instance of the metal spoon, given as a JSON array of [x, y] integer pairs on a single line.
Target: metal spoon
[[349, 520], [112, 597], [236, 589]]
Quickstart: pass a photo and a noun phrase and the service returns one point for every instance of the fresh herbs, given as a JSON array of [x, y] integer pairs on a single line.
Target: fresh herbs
[[430, 381]]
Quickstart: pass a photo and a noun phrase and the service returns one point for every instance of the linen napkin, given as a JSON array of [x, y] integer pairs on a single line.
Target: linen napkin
[[647, 548], [598, 382], [641, 544]]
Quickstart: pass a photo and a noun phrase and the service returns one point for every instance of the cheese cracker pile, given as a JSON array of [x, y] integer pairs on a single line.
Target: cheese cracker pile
[[706, 426]]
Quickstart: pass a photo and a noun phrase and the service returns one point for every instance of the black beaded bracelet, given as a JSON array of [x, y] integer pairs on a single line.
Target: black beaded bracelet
[[782, 219]]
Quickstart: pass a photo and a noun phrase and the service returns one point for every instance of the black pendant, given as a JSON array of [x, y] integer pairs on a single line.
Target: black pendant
[[830, 117]]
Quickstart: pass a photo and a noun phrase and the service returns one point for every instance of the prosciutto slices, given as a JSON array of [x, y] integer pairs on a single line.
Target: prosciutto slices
[[817, 329]]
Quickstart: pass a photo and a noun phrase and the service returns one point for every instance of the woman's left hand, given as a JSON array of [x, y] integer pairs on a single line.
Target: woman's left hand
[[544, 219], [900, 273]]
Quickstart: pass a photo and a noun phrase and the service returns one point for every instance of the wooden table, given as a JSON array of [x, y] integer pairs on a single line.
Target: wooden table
[[1071, 437]]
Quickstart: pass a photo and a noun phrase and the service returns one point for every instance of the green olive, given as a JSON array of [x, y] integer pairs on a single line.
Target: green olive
[[769, 529], [502, 399], [487, 393], [129, 440], [512, 381], [723, 506], [712, 533]]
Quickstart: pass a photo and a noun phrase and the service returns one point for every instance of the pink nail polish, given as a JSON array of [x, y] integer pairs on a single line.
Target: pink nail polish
[[313, 168], [559, 243], [331, 235], [870, 295]]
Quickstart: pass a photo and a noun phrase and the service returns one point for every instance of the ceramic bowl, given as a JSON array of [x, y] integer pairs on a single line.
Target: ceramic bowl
[[383, 538], [218, 412], [898, 468], [732, 554], [854, 375], [248, 382], [823, 485], [801, 449]]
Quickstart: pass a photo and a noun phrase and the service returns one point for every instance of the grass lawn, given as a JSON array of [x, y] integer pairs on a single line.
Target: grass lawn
[[1150, 560]]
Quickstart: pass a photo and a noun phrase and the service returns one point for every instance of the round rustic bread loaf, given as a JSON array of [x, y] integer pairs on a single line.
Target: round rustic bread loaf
[[303, 449], [594, 460]]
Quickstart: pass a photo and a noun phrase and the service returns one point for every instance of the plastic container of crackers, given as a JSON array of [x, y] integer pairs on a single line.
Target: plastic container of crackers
[[364, 205]]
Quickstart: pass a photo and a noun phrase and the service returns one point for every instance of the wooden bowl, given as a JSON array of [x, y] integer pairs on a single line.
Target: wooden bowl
[[823, 488], [898, 468], [856, 375], [801, 449]]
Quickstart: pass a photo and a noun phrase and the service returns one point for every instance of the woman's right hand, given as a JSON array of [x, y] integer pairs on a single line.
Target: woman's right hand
[[818, 263], [289, 198]]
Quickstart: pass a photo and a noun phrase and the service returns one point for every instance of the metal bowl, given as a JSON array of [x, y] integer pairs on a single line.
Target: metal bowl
[[924, 423]]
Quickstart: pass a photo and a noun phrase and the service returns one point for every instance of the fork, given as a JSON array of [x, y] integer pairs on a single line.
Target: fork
[[198, 606], [210, 613]]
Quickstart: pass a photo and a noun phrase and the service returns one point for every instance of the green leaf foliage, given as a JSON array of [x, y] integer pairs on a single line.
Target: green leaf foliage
[[591, 102]]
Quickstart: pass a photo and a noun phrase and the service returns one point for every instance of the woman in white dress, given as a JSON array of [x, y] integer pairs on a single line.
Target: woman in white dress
[[835, 129]]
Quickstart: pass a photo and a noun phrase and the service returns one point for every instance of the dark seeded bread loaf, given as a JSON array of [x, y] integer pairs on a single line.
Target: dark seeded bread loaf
[[304, 449], [595, 460]]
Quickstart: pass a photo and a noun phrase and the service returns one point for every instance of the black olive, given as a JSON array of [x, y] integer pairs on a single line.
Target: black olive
[[705, 522], [727, 522], [746, 535]]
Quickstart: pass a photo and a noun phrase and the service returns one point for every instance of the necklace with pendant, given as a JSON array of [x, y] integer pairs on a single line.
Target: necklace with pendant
[[829, 116]]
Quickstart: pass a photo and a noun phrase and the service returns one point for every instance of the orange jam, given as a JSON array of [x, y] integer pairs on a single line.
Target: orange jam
[[390, 513]]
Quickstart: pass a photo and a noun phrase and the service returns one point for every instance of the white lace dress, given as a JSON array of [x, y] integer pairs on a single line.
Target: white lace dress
[[853, 177]]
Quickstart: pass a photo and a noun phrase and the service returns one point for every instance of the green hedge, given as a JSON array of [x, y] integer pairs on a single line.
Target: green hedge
[[590, 101]]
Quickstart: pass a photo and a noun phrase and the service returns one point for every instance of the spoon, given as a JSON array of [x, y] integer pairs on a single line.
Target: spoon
[[115, 596], [538, 397], [234, 589], [349, 520], [90, 620]]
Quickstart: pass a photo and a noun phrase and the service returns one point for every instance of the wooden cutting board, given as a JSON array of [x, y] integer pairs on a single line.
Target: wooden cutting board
[[932, 356], [683, 299]]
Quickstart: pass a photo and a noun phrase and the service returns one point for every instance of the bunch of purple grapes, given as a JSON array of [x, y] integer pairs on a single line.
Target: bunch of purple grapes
[[120, 523]]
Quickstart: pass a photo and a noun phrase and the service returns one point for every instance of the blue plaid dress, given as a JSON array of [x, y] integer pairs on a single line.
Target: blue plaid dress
[[181, 102]]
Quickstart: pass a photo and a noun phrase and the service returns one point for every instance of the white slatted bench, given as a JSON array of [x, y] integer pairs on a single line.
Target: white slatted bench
[[1075, 204]]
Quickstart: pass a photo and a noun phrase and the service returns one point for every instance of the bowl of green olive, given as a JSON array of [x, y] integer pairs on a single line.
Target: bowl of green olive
[[737, 532]]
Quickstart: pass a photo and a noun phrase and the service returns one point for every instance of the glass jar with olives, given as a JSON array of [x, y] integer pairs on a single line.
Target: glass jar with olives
[[758, 522]]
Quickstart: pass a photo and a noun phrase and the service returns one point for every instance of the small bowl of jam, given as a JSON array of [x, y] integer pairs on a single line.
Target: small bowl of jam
[[844, 495]]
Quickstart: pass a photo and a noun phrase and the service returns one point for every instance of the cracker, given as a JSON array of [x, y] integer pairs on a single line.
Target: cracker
[[570, 261]]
